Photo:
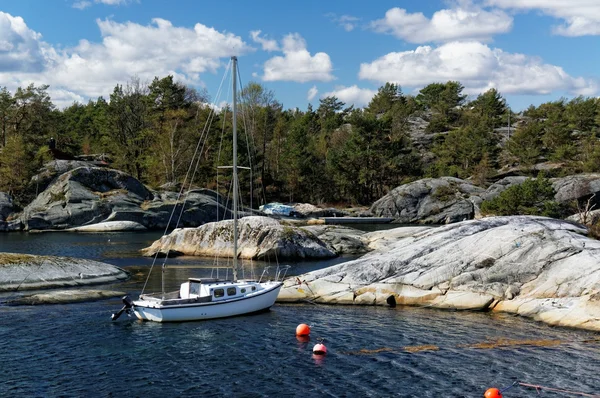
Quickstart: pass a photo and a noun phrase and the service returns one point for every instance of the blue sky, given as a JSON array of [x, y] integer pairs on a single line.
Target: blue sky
[[532, 51]]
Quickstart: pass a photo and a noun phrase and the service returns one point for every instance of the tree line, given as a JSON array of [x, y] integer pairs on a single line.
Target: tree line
[[334, 153]]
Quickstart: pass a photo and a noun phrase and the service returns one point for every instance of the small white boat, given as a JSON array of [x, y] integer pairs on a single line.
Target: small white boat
[[207, 299], [200, 299]]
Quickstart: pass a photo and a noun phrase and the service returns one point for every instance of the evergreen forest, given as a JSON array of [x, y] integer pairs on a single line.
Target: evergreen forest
[[334, 154]]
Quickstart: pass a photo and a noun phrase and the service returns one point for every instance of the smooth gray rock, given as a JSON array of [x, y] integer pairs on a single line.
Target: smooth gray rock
[[26, 272], [65, 297], [110, 226], [537, 267], [53, 169], [6, 206], [308, 210], [343, 240], [578, 188], [429, 201], [260, 238], [91, 195], [501, 185]]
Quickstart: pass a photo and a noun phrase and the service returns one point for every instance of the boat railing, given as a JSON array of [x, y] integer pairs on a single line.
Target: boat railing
[[279, 273], [160, 296]]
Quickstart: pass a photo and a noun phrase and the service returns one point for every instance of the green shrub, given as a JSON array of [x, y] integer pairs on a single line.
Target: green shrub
[[444, 193], [532, 197]]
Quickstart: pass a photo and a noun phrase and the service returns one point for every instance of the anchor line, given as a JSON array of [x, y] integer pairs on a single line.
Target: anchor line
[[539, 387]]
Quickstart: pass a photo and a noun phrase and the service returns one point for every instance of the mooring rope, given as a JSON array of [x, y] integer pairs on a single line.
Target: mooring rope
[[539, 387]]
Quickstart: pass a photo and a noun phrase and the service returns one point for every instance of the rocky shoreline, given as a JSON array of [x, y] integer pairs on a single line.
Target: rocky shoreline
[[80, 196], [29, 272], [536, 267]]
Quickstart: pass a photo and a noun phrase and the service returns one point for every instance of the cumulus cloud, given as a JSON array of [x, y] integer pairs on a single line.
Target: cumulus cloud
[[312, 93], [582, 17], [91, 69], [461, 22], [348, 22], [478, 67], [267, 44], [21, 49], [82, 5], [297, 64], [354, 95]]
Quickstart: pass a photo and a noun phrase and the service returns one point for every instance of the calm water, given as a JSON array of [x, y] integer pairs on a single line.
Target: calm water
[[75, 350]]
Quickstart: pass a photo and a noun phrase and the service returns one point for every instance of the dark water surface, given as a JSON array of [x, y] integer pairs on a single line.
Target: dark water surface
[[75, 350]]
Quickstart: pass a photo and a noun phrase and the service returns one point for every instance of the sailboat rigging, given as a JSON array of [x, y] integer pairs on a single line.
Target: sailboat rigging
[[201, 298]]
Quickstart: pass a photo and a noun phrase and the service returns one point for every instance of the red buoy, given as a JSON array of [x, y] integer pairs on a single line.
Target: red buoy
[[302, 330], [492, 393], [319, 349]]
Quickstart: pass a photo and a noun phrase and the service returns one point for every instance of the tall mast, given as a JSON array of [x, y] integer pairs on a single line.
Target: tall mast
[[235, 170]]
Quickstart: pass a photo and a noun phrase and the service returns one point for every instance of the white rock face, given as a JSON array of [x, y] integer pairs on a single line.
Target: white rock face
[[110, 226], [24, 271], [532, 266], [259, 238]]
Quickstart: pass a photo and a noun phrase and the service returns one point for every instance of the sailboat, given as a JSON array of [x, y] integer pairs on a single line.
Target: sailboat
[[200, 298]]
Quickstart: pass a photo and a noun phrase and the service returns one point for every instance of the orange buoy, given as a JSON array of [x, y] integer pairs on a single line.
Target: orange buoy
[[492, 393], [319, 349], [302, 330]]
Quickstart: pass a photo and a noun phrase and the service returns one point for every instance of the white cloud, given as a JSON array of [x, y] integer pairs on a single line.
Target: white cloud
[[127, 49], [348, 22], [354, 95], [462, 22], [477, 67], [21, 49], [297, 64], [82, 5], [582, 17], [115, 2], [267, 44], [312, 93]]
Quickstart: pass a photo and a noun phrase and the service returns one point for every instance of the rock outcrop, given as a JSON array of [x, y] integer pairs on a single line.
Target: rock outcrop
[[537, 267], [91, 195], [308, 210], [6, 206], [110, 226], [343, 240], [430, 201], [53, 169], [6, 209], [580, 188], [260, 238], [25, 272], [65, 297]]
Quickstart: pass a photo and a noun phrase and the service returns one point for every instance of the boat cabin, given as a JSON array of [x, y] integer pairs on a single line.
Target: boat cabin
[[196, 288]]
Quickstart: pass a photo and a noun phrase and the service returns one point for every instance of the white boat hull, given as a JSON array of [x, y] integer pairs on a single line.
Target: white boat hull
[[255, 302]]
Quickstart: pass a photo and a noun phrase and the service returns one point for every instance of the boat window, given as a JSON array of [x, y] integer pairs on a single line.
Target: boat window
[[195, 288], [243, 290], [219, 292], [231, 291], [253, 288]]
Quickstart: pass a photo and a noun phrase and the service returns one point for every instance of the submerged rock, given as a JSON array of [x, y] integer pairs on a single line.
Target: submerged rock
[[26, 272], [259, 238], [64, 297], [537, 267]]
